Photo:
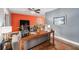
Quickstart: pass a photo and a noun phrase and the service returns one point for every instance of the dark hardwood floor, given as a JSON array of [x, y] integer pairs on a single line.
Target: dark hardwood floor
[[58, 46]]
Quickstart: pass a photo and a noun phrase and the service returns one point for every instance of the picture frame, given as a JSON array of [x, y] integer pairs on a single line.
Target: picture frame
[[61, 20]]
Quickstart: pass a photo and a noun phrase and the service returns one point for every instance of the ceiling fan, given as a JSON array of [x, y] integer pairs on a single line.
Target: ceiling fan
[[35, 10]]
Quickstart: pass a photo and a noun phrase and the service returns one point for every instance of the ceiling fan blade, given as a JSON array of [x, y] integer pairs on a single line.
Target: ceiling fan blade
[[29, 9], [37, 10]]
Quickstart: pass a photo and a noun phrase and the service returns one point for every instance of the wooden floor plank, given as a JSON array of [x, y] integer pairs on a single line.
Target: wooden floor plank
[[58, 46]]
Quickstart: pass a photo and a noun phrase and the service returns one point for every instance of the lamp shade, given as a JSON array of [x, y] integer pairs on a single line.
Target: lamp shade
[[6, 29]]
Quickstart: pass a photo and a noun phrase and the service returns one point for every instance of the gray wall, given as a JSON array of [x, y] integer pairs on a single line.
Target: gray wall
[[70, 30]]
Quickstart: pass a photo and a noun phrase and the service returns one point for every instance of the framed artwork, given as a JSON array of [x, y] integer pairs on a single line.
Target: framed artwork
[[59, 20]]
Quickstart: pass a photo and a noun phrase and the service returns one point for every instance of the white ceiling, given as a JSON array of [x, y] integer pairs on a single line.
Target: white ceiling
[[26, 11]]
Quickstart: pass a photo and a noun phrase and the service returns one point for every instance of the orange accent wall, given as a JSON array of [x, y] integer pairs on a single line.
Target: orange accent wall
[[15, 18], [41, 19]]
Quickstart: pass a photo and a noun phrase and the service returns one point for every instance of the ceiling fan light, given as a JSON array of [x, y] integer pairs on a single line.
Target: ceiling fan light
[[32, 12]]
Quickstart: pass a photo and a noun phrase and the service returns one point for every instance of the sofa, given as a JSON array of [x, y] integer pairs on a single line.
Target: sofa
[[15, 41], [32, 43]]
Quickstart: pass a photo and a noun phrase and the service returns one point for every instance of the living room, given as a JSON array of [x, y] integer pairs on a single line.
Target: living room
[[39, 29]]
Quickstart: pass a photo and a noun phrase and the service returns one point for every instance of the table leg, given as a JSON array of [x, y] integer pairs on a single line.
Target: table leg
[[53, 39]]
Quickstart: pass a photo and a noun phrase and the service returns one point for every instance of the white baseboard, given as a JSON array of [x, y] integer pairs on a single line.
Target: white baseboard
[[74, 44]]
